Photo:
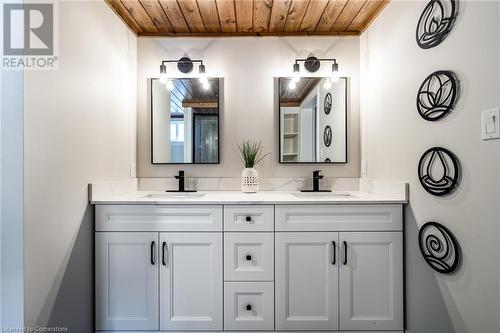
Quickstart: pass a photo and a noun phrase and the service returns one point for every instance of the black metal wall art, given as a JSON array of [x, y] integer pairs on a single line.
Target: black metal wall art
[[327, 160], [439, 247], [438, 171], [327, 104], [327, 136], [185, 65], [436, 22], [437, 95]]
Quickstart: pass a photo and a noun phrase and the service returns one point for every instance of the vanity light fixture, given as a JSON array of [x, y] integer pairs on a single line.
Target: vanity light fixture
[[312, 65], [184, 65]]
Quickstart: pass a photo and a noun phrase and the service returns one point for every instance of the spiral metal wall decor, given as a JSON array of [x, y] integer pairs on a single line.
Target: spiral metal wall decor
[[327, 104], [327, 136], [439, 247], [436, 22], [438, 171], [437, 95]]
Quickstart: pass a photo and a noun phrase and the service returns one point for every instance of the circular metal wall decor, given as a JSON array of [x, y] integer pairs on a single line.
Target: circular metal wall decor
[[439, 247], [312, 64], [327, 136], [327, 160], [185, 65], [327, 104], [438, 171], [436, 22], [437, 95]]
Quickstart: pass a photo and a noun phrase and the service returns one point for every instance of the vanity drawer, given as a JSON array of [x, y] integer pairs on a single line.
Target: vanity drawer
[[248, 218], [339, 217], [249, 306], [158, 218], [249, 256]]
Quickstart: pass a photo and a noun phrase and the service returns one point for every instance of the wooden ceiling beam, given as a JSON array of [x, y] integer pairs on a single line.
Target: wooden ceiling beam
[[157, 15], [349, 12], [140, 15], [209, 15], [227, 18]]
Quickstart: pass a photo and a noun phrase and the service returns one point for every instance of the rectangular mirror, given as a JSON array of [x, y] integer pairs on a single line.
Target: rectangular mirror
[[313, 120], [185, 122]]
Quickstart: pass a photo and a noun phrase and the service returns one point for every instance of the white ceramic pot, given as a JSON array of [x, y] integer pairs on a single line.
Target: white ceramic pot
[[249, 180]]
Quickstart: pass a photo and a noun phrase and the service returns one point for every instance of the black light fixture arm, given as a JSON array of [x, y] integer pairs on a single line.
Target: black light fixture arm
[[317, 59], [163, 62]]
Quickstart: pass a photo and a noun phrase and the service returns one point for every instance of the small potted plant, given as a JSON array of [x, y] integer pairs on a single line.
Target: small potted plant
[[251, 154]]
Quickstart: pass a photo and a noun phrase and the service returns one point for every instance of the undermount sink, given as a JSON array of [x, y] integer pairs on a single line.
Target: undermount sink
[[322, 195], [178, 195]]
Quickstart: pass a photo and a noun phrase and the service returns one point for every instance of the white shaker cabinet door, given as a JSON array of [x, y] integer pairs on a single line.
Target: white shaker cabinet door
[[371, 281], [306, 281], [191, 281], [126, 270]]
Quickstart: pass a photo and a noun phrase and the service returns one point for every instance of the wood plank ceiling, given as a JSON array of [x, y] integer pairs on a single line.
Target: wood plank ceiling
[[247, 17]]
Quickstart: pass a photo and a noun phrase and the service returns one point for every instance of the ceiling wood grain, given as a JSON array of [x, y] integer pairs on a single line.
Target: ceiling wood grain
[[212, 18]]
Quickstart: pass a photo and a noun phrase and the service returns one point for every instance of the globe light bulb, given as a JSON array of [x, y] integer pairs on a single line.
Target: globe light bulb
[[328, 84], [170, 85], [292, 85], [206, 85]]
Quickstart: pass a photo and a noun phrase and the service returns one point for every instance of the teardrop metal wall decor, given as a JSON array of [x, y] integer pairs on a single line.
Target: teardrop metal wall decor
[[327, 104], [437, 95], [327, 136], [439, 247], [436, 22], [438, 185]]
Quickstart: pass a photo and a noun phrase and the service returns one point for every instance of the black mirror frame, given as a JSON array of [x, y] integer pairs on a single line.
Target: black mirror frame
[[151, 126], [326, 161]]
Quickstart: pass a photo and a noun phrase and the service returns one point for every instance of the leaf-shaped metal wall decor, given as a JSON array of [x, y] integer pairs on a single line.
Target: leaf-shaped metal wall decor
[[436, 22], [327, 103], [438, 171], [437, 95], [439, 247], [327, 136]]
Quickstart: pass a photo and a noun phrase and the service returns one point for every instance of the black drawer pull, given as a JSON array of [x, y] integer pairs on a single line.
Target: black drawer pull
[[249, 307], [248, 219], [248, 257], [345, 253], [334, 246], [164, 247], [152, 252]]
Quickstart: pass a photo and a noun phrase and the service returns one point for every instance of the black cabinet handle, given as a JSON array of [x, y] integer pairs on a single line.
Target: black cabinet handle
[[152, 252], [248, 257], [249, 307], [345, 252], [248, 219], [334, 246], [164, 247]]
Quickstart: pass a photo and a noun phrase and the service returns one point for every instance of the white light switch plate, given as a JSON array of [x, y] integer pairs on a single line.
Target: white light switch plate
[[133, 170], [490, 124], [364, 167]]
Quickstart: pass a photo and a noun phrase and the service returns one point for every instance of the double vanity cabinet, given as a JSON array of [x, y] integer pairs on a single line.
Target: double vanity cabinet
[[249, 267]]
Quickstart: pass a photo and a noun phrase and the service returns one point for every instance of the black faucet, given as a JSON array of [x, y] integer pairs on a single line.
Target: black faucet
[[316, 178], [181, 179]]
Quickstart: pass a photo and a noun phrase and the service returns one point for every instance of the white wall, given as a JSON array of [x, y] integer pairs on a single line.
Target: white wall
[[79, 128], [395, 136], [248, 108]]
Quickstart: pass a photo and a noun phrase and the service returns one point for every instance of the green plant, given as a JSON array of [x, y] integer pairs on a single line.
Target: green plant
[[251, 152]]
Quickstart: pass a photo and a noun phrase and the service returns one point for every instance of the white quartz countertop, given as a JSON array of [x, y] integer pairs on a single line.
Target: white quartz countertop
[[237, 197]]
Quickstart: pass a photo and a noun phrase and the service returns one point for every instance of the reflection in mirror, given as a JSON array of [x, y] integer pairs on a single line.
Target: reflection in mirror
[[185, 122], [313, 120]]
